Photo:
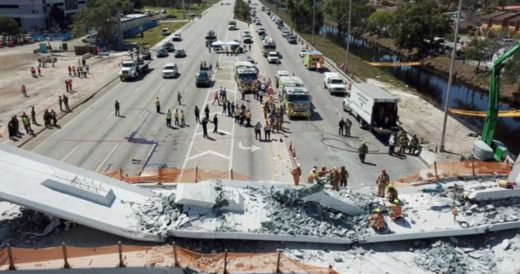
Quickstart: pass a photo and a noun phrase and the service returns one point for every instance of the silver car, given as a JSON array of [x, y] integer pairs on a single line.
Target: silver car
[[170, 70]]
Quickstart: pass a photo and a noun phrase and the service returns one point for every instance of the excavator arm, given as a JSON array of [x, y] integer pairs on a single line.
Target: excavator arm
[[490, 123]]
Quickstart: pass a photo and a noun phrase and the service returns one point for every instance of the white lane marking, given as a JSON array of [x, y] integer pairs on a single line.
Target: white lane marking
[[136, 90], [112, 113], [209, 152], [71, 121], [233, 131], [106, 158], [70, 153], [253, 148]]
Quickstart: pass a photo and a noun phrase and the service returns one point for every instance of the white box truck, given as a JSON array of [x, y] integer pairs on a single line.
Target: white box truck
[[373, 107]]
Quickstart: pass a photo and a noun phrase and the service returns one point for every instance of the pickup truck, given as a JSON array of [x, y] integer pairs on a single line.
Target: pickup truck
[[373, 107], [333, 82], [132, 69]]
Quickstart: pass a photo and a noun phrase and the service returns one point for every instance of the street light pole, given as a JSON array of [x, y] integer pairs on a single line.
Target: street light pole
[[313, 18], [183, 11], [348, 35], [450, 78]]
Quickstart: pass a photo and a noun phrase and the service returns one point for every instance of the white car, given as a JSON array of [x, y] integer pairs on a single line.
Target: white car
[[273, 57], [170, 70], [165, 32], [177, 37], [302, 52]]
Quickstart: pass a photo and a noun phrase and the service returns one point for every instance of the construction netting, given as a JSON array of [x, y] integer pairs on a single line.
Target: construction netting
[[450, 169], [173, 175], [154, 256]]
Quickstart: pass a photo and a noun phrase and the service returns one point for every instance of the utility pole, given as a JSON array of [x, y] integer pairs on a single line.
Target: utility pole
[[119, 28], [450, 78], [183, 10], [313, 19], [348, 35]]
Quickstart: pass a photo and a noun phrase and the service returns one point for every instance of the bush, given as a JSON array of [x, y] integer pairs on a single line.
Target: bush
[[241, 10]]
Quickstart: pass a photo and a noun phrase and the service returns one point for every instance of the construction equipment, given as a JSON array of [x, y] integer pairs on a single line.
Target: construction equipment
[[487, 148]]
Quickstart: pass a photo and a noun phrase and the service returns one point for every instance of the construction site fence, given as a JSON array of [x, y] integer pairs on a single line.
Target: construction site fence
[[454, 169], [12, 258], [174, 175]]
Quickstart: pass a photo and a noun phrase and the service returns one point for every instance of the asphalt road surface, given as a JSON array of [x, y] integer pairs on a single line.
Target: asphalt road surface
[[94, 138]]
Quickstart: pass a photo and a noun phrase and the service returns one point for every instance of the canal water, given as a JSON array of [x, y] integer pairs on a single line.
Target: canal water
[[433, 87]]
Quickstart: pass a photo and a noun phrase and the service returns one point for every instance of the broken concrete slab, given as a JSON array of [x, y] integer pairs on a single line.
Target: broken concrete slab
[[201, 195], [492, 194]]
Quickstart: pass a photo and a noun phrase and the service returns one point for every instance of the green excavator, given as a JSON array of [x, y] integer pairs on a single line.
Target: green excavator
[[487, 148]]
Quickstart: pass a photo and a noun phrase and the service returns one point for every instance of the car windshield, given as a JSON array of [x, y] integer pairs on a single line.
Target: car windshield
[[297, 98], [180, 51], [128, 65], [247, 76], [169, 67], [336, 81], [272, 54]]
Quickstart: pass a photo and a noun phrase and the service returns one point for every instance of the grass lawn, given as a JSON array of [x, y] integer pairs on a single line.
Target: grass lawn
[[177, 13], [153, 35], [336, 53]]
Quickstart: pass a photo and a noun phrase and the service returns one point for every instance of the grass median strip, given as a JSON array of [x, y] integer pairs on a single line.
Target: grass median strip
[[153, 35]]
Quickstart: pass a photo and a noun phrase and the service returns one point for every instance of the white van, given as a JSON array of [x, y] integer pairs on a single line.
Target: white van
[[165, 31]]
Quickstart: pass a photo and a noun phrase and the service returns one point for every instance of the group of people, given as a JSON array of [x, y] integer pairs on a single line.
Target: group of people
[[13, 127], [80, 71], [403, 142], [261, 89], [393, 204], [338, 177], [344, 127], [203, 66]]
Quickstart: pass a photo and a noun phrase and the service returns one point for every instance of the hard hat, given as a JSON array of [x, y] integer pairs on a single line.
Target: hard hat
[[396, 201], [391, 186], [377, 210]]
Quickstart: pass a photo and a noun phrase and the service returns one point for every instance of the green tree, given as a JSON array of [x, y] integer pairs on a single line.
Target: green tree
[[419, 24], [301, 12], [337, 11], [241, 10], [382, 22], [479, 49], [8, 25]]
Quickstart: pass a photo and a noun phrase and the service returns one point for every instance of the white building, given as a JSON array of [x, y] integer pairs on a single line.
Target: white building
[[34, 14]]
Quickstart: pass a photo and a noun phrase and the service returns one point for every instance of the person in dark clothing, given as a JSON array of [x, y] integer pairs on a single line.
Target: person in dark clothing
[[341, 131], [66, 103], [116, 106], [197, 114], [60, 102], [206, 113], [33, 116], [157, 105], [205, 127], [215, 123]]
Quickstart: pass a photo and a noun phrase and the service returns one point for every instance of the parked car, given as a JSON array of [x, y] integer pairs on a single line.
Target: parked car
[[170, 70], [248, 39], [162, 53], [291, 39], [177, 37], [165, 31], [302, 52], [203, 78], [180, 53], [273, 57], [168, 46]]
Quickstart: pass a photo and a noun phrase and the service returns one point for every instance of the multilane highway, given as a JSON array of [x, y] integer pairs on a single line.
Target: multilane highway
[[93, 138]]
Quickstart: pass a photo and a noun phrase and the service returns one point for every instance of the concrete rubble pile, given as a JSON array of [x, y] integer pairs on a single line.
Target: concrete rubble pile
[[290, 214], [444, 257], [159, 214], [364, 201], [36, 224]]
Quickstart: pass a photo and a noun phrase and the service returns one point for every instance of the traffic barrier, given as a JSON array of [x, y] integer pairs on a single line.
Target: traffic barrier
[[171, 175]]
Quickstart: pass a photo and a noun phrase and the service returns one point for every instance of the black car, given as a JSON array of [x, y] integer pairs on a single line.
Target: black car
[[169, 47], [291, 39], [180, 53], [162, 53], [203, 78]]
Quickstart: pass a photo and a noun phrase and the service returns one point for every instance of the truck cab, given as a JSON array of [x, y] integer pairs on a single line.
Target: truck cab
[[132, 69], [334, 83], [297, 102], [373, 107]]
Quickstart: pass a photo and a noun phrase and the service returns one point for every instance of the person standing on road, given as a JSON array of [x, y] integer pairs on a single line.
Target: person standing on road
[[341, 127], [215, 123], [215, 98], [205, 127], [197, 114], [179, 97], [157, 105], [176, 117], [334, 179], [258, 130], [224, 107], [348, 125], [267, 132], [391, 144], [343, 177], [169, 118], [33, 116], [116, 108], [206, 113], [382, 182], [362, 152], [66, 102], [60, 102], [24, 91], [296, 173], [181, 117], [27, 124]]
